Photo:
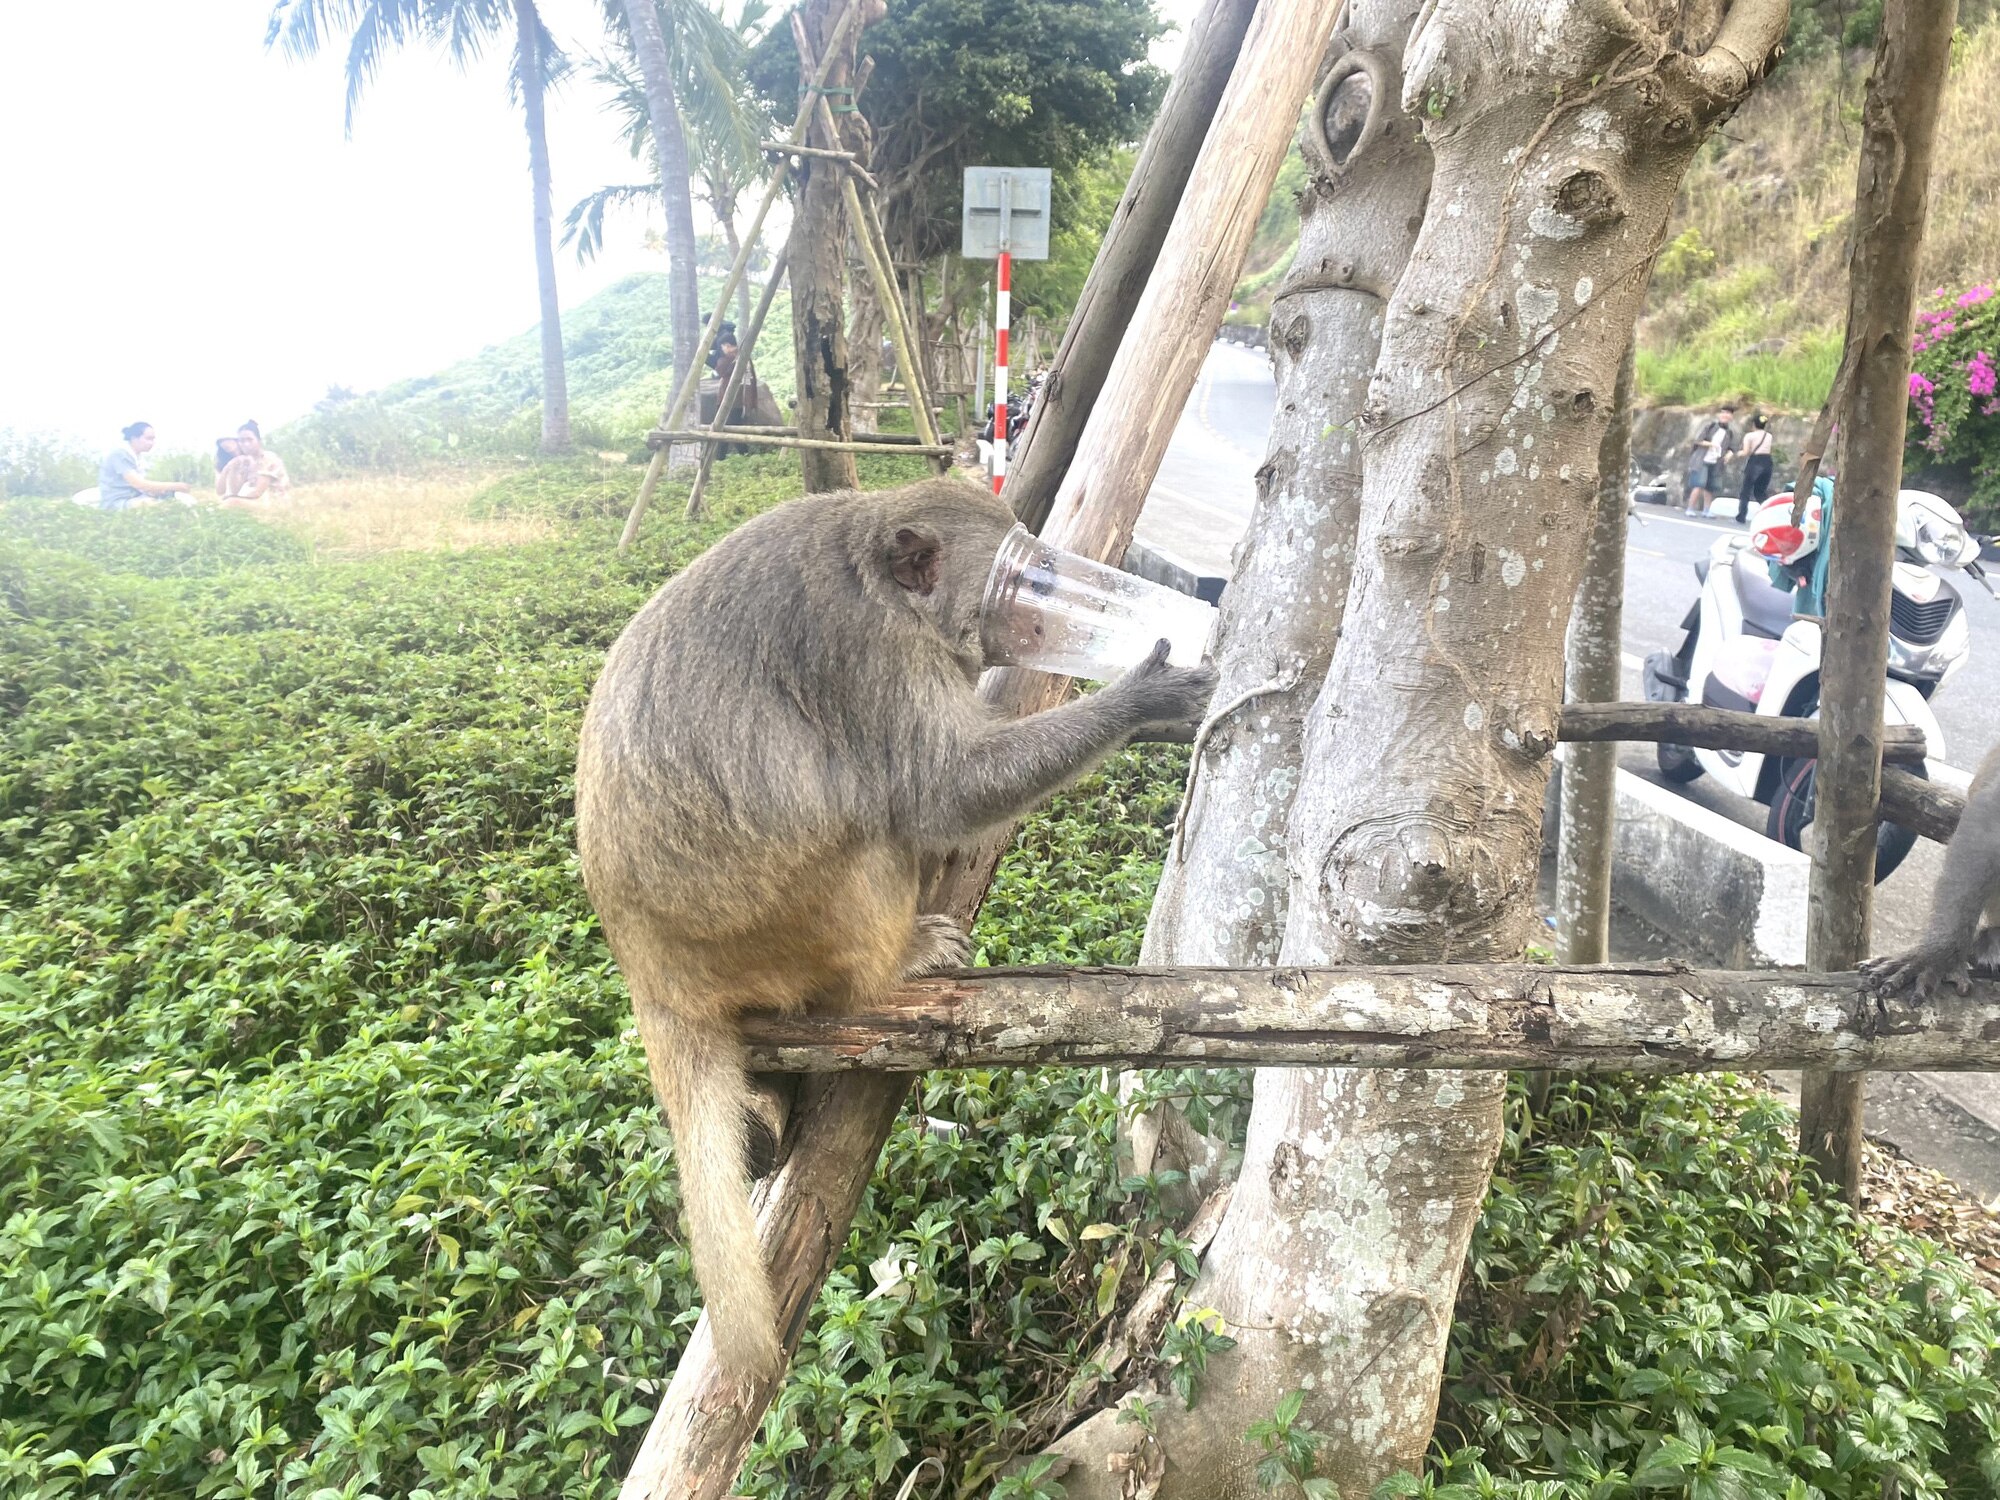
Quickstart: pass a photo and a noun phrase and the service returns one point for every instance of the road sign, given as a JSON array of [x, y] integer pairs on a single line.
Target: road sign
[[1006, 208]]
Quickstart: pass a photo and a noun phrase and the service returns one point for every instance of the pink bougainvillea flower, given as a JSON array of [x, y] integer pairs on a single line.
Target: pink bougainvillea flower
[[1979, 374], [1975, 296], [1921, 389]]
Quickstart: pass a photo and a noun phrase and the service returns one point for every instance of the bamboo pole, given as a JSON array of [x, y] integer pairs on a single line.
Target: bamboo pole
[[1621, 1018], [685, 390], [1124, 260], [1899, 129], [660, 437], [725, 397]]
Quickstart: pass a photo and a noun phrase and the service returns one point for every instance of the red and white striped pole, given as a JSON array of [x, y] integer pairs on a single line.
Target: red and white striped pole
[[1002, 308]]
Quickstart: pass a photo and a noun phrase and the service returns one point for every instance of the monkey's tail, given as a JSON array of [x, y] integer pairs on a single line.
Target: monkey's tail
[[699, 1074]]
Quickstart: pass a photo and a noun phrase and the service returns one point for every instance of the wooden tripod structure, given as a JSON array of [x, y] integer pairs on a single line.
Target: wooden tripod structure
[[814, 114]]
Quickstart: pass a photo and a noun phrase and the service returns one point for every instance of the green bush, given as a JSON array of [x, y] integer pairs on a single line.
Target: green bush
[[1659, 1299], [328, 1164]]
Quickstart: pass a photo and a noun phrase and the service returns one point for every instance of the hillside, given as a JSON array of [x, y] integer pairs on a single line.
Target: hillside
[[619, 357], [1749, 295]]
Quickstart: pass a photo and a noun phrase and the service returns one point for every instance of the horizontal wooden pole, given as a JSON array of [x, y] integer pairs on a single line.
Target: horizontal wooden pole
[[1701, 727], [747, 431], [1617, 1019], [1921, 806], [658, 438]]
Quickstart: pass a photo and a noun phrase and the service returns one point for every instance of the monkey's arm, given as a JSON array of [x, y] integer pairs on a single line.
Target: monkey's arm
[[1969, 880], [1004, 769]]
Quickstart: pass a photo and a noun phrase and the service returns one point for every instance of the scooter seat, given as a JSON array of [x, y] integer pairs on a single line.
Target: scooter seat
[[1767, 609]]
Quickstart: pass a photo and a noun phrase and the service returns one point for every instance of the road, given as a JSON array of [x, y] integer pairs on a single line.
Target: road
[[1198, 508]]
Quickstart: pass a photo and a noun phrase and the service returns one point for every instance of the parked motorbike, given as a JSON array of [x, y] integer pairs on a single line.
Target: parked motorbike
[[1744, 650]]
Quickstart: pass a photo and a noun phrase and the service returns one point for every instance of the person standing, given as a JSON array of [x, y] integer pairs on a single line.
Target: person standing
[[1712, 447], [1757, 444], [121, 478]]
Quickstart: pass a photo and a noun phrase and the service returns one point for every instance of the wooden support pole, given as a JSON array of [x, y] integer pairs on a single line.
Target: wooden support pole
[[1706, 728], [1591, 667], [1899, 128], [684, 391], [1625, 1018], [661, 437], [726, 397], [1124, 260], [1188, 290]]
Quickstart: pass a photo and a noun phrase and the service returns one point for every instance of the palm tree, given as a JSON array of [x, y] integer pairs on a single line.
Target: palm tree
[[463, 28], [690, 84]]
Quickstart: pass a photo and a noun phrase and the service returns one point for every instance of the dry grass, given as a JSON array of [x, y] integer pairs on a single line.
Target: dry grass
[[1772, 198], [389, 513]]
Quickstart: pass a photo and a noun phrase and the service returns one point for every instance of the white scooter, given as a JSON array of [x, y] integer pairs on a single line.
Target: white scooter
[[1744, 650]]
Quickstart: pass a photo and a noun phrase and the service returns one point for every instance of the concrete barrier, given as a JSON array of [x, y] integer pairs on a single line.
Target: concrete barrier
[[1157, 565], [1727, 895], [1728, 892]]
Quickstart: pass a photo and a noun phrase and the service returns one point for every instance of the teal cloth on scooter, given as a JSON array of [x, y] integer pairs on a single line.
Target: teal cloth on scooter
[[1807, 579]]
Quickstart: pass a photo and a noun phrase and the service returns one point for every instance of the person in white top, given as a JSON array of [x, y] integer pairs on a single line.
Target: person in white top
[[1756, 468]]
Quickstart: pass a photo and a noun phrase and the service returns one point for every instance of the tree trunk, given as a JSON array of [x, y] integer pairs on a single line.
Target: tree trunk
[[529, 57], [1892, 200], [864, 352], [1591, 674], [1125, 259], [1560, 137], [1222, 893], [670, 152], [1560, 134], [817, 254]]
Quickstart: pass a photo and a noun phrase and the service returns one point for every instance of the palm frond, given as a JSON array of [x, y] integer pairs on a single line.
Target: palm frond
[[584, 223]]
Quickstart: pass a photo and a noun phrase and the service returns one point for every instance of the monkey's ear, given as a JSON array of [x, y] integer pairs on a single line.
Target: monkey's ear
[[913, 560]]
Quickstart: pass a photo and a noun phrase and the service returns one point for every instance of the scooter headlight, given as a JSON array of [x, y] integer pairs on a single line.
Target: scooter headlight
[[1939, 543]]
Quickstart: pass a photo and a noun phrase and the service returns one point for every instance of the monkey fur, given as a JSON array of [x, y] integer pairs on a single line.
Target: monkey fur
[[1962, 933], [776, 740]]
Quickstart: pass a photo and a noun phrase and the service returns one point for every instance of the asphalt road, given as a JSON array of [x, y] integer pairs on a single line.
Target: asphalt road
[[1201, 503]]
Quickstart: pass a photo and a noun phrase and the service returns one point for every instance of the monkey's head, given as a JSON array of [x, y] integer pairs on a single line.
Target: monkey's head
[[937, 545]]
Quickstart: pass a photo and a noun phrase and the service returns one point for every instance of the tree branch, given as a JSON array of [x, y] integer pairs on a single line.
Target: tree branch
[[1618, 1019]]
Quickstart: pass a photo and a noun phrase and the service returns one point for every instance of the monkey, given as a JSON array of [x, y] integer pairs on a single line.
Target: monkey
[[776, 740], [1962, 934]]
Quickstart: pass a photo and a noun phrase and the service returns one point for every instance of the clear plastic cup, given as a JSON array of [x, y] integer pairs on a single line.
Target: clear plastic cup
[[1057, 612]]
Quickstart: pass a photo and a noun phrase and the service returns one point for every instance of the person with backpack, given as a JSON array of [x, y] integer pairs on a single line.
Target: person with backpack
[[1712, 447]]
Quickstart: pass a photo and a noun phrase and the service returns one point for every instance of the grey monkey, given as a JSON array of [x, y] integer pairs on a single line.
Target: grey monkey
[[1963, 930], [776, 740]]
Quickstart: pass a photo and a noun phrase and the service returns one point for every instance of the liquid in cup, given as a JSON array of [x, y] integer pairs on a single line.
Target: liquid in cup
[[1057, 612]]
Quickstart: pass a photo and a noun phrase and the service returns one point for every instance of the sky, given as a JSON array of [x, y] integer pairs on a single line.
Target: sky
[[192, 239]]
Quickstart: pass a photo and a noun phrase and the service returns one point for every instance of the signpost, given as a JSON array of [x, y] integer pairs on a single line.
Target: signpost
[[1006, 215]]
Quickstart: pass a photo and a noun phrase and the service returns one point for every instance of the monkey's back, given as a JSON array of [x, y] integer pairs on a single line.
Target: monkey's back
[[735, 771]]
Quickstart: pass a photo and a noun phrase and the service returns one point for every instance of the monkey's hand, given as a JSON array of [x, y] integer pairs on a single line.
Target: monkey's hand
[[1915, 975], [1168, 695]]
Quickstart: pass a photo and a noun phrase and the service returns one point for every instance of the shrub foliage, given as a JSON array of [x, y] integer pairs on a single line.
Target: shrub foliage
[[328, 1165]]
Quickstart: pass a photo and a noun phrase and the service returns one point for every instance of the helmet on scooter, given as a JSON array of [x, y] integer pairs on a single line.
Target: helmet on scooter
[[1772, 533]]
